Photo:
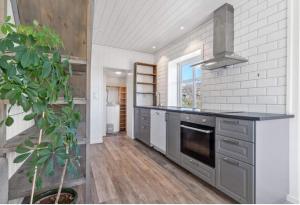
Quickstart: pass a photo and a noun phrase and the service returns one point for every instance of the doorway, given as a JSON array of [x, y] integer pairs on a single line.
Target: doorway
[[115, 108]]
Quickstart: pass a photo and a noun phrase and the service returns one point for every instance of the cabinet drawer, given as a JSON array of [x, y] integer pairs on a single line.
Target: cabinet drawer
[[235, 178], [145, 135], [145, 112], [237, 149], [198, 119], [199, 169], [239, 129]]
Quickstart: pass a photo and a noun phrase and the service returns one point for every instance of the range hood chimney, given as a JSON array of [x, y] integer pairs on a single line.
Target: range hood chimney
[[223, 40]]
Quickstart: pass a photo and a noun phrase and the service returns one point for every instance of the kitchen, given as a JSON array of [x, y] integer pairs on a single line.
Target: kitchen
[[214, 100]]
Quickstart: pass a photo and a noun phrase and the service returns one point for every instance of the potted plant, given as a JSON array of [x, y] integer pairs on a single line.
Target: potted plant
[[34, 75]]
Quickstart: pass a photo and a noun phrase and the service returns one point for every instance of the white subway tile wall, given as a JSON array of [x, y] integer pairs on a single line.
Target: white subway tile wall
[[257, 86]]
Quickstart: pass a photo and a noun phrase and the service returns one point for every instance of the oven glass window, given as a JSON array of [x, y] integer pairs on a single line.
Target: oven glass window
[[197, 141]]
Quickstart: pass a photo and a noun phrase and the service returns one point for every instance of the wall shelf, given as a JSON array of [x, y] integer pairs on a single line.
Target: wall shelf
[[148, 74], [77, 101], [145, 84], [145, 93], [31, 133]]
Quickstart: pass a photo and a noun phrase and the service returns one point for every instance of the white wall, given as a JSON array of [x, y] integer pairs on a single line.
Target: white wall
[[108, 57], [259, 85], [293, 97]]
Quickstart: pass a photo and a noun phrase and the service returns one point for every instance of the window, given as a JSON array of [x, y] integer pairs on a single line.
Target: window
[[189, 84]]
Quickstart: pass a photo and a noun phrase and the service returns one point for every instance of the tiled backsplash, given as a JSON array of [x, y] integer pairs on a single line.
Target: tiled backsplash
[[260, 36]]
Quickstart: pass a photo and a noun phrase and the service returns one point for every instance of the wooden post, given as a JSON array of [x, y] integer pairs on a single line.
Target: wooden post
[[90, 14], [3, 160]]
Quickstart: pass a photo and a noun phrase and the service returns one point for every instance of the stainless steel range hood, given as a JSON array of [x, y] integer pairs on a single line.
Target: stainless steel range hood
[[223, 41]]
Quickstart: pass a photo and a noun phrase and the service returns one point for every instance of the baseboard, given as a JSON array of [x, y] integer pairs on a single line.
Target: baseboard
[[292, 199]]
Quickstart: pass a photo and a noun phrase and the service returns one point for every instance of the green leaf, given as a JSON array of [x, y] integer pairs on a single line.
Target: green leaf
[[50, 167], [44, 152], [29, 117], [42, 123], [2, 122], [7, 18], [50, 130], [46, 69], [28, 143], [43, 159], [25, 103], [9, 121], [21, 158], [21, 149], [25, 61], [38, 182]]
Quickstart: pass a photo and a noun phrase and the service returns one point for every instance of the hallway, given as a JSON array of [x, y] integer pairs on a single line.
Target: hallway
[[126, 171]]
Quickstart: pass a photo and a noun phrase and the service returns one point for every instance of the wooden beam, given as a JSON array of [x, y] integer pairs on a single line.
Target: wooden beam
[[90, 18], [15, 10], [3, 180]]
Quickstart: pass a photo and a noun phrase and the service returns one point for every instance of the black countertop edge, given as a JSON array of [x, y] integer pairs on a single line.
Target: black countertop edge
[[254, 116]]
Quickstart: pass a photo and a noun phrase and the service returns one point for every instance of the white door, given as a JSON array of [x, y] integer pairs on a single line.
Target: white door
[[158, 130]]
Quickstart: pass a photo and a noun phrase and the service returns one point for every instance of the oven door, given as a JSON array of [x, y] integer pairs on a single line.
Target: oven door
[[198, 142]]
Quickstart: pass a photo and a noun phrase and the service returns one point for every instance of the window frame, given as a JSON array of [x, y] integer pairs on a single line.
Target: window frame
[[190, 61]]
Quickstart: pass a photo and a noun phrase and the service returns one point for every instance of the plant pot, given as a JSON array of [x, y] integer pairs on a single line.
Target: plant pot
[[68, 196]]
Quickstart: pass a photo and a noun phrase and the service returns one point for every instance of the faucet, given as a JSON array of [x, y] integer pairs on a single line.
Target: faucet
[[158, 99]]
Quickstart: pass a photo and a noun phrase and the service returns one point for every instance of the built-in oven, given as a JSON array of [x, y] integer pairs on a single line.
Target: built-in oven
[[198, 142]]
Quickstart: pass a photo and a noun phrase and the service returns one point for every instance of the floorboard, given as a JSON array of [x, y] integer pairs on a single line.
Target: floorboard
[[127, 171]]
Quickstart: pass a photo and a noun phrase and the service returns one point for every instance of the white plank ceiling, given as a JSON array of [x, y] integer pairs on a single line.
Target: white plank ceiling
[[141, 24]]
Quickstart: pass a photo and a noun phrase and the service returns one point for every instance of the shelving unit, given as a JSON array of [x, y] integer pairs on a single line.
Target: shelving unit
[[77, 48], [145, 84], [123, 110]]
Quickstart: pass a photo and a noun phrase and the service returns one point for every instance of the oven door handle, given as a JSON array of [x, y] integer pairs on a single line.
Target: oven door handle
[[196, 129]]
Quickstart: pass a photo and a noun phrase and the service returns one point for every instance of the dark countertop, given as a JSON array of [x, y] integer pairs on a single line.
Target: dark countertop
[[255, 116]]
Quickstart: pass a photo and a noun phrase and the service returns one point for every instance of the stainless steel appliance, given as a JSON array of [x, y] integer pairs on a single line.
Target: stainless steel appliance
[[198, 142], [223, 41]]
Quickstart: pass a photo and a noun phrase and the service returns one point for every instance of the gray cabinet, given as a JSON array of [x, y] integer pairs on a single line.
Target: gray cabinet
[[142, 125], [173, 136], [234, 128], [199, 169], [237, 149], [235, 158], [235, 178]]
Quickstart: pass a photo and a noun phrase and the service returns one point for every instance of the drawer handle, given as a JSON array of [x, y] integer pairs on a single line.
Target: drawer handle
[[231, 161], [231, 141], [196, 129], [192, 161], [236, 122]]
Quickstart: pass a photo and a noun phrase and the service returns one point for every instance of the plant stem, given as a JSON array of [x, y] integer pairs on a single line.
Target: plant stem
[[35, 168], [61, 181], [62, 178]]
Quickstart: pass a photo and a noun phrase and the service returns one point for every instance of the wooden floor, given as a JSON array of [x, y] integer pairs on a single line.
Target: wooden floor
[[126, 171]]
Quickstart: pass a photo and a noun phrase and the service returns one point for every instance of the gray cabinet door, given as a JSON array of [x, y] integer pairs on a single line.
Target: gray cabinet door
[[145, 133], [142, 125], [235, 178], [234, 128], [199, 169], [173, 136], [137, 119], [237, 149]]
